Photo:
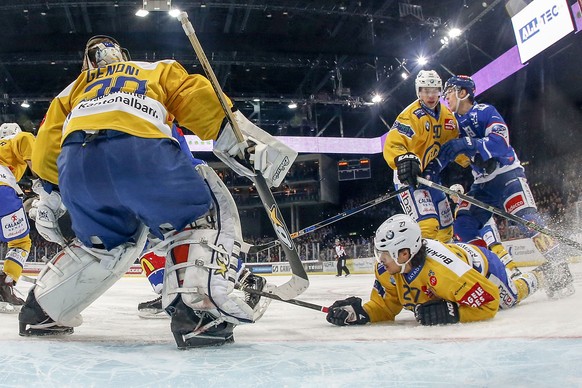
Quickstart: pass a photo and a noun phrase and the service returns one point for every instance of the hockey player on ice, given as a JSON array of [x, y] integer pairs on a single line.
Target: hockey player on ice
[[440, 283], [106, 152], [15, 154], [499, 179], [411, 149]]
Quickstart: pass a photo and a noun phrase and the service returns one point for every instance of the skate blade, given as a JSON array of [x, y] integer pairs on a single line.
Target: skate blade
[[152, 314], [563, 293], [9, 308]]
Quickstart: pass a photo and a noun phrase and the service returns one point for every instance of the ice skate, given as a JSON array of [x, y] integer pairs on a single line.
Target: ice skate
[[152, 309], [33, 321], [558, 280], [9, 302], [195, 328], [253, 282]]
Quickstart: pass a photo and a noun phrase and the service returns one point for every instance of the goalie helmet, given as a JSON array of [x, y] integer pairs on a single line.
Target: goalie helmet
[[427, 79], [9, 130], [461, 82], [102, 50], [396, 233]]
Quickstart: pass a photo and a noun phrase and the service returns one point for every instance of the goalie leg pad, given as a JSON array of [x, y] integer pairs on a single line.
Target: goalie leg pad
[[202, 264], [77, 276]]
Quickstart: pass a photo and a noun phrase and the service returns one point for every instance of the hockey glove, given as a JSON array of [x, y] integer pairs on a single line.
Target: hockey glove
[[487, 166], [258, 152], [408, 168], [45, 212], [464, 145], [436, 312], [347, 312], [432, 171]]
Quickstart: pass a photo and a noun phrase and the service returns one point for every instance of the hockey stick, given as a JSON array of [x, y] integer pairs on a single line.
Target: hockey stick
[[296, 302], [331, 220], [299, 280], [502, 213]]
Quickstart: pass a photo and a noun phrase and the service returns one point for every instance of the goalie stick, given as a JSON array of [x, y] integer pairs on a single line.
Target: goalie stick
[[299, 280], [502, 213], [271, 244]]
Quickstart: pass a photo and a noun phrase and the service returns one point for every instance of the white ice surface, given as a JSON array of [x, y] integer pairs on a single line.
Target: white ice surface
[[537, 344]]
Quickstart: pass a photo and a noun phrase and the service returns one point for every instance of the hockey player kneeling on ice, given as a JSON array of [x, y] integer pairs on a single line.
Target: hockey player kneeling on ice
[[105, 153], [440, 283]]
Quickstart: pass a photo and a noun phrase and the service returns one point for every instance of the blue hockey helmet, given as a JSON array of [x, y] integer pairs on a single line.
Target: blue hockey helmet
[[461, 82]]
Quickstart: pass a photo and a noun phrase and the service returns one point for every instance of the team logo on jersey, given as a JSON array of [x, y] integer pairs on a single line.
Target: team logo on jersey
[[427, 126], [449, 124], [432, 280], [403, 129]]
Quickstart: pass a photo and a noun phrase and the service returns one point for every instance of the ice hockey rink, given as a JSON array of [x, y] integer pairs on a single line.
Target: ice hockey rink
[[537, 344]]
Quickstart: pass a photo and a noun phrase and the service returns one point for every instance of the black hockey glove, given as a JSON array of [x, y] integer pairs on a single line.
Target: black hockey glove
[[347, 312], [408, 168], [488, 166], [437, 312]]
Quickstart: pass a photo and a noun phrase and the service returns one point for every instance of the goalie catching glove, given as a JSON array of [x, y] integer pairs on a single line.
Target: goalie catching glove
[[45, 212], [258, 152], [347, 312], [437, 312]]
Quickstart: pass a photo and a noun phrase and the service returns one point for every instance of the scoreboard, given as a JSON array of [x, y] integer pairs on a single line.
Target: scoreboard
[[348, 170]]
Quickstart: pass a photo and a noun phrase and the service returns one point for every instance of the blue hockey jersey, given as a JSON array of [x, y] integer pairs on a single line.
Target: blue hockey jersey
[[483, 122]]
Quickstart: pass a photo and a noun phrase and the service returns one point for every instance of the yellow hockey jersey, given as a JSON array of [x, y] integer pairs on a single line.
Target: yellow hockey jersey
[[419, 131], [14, 153], [132, 97], [448, 273]]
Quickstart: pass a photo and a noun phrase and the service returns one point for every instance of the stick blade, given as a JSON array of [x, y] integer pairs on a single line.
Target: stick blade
[[292, 288]]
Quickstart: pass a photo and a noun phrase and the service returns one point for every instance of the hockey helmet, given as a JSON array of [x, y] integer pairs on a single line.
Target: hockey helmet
[[398, 232], [9, 130], [102, 50], [427, 79], [461, 82]]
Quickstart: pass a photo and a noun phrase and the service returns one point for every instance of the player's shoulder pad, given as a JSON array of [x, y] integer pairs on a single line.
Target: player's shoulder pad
[[439, 252]]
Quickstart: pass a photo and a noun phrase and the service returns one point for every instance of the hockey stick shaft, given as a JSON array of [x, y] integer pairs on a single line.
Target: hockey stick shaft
[[331, 220], [299, 280], [296, 302], [502, 213]]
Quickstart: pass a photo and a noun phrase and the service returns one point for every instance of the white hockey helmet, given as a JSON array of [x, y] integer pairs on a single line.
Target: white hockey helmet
[[9, 130], [398, 232], [102, 50], [427, 79]]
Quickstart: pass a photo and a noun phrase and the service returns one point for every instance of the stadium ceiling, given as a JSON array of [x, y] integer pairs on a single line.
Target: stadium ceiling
[[329, 57]]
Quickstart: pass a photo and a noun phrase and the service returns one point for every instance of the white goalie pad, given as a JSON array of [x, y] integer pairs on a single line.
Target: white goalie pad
[[202, 263], [78, 275], [271, 157]]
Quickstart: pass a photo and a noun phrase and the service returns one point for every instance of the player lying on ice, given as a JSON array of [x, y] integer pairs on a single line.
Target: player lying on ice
[[106, 152], [440, 283]]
